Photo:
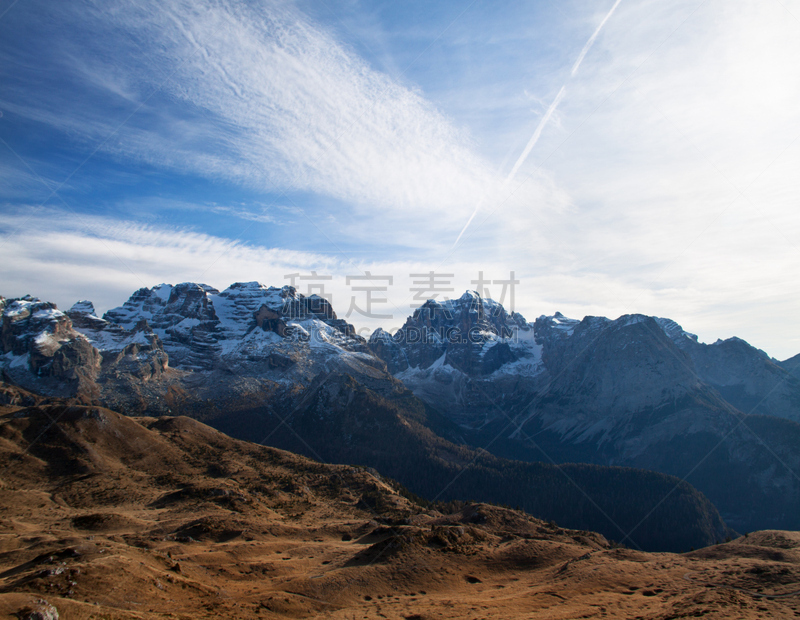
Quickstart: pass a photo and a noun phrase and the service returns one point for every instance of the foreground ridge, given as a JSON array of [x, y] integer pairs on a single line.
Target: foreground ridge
[[106, 515]]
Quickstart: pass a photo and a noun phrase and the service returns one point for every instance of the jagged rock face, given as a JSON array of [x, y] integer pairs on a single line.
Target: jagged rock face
[[185, 348], [182, 316], [203, 329], [467, 357], [747, 377], [137, 352], [42, 350], [605, 369], [27, 319], [74, 354], [83, 312], [613, 368], [472, 335], [384, 346]]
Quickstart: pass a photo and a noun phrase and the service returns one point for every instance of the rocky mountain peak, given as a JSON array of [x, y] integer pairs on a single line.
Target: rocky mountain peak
[[37, 338], [471, 334], [83, 316], [557, 325], [82, 307], [29, 323], [676, 333], [379, 335], [443, 320], [202, 328]]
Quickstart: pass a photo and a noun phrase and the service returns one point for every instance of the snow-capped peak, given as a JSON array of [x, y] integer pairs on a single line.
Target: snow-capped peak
[[675, 332], [562, 324], [83, 307], [200, 326]]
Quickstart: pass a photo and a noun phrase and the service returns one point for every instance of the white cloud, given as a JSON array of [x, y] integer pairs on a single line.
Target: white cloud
[[58, 258], [260, 94]]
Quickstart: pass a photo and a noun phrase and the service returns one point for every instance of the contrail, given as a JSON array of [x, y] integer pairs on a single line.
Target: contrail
[[542, 123], [520, 160], [469, 221], [535, 137], [590, 42]]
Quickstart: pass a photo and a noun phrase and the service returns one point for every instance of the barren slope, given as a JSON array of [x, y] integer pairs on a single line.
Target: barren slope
[[105, 516]]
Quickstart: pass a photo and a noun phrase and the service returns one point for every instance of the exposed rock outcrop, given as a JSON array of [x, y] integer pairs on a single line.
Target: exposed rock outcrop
[[137, 351], [203, 329], [42, 351], [474, 335]]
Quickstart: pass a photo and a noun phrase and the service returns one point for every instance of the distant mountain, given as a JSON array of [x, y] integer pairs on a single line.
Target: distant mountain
[[203, 329], [44, 351], [792, 365], [172, 344], [272, 366], [637, 391]]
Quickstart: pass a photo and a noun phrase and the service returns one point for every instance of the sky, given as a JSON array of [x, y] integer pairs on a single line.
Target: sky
[[615, 156]]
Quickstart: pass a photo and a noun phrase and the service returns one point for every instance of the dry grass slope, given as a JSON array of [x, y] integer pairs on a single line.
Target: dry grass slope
[[107, 517]]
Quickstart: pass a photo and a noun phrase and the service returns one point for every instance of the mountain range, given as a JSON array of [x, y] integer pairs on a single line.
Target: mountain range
[[629, 427], [637, 391]]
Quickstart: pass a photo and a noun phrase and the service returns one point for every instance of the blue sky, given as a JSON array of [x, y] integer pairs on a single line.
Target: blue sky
[[618, 156]]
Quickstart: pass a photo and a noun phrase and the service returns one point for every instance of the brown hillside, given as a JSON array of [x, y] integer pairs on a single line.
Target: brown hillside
[[105, 516]]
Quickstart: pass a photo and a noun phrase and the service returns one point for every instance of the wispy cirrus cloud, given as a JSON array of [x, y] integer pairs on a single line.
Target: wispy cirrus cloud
[[257, 94], [61, 257]]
